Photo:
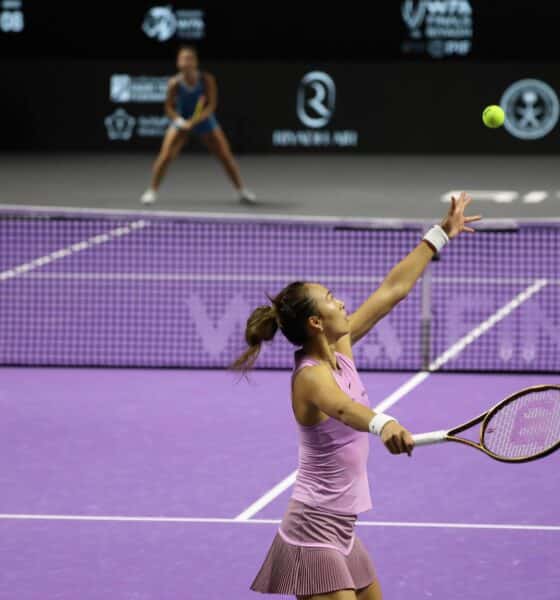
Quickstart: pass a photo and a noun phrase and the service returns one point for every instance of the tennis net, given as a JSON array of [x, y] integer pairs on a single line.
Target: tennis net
[[147, 290]]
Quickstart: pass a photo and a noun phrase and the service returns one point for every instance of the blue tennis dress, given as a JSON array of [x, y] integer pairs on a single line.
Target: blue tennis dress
[[187, 98]]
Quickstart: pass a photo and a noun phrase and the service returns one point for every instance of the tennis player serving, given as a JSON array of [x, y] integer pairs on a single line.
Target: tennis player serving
[[316, 553], [192, 98]]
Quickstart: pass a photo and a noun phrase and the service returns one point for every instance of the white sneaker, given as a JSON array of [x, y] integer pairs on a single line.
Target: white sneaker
[[246, 196], [149, 196]]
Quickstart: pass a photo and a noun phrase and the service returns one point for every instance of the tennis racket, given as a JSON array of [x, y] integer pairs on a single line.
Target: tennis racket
[[199, 107], [522, 427]]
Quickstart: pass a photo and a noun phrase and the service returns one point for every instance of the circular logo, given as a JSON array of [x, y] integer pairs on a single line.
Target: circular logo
[[316, 99], [160, 23], [532, 109]]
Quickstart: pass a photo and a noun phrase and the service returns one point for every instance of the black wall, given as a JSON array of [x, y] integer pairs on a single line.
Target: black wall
[[62, 104]]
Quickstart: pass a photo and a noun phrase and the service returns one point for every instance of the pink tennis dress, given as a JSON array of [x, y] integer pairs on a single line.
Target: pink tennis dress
[[316, 550]]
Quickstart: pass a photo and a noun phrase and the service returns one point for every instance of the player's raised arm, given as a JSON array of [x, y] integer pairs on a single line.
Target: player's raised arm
[[401, 279]]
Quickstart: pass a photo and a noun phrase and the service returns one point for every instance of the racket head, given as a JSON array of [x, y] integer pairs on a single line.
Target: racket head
[[524, 426]]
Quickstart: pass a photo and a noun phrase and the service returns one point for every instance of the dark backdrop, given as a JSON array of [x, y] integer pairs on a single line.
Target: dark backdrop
[[503, 30], [405, 76]]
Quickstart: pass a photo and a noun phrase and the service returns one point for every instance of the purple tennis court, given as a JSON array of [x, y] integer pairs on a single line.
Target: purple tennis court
[[171, 482], [359, 209], [129, 484]]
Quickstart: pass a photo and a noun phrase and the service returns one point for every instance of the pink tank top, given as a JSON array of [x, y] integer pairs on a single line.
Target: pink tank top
[[332, 472]]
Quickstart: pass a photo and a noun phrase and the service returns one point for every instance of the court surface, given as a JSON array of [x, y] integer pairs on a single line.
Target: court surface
[[381, 186], [135, 484], [142, 484]]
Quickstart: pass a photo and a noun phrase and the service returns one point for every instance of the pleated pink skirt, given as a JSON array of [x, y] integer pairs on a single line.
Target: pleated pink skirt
[[314, 552]]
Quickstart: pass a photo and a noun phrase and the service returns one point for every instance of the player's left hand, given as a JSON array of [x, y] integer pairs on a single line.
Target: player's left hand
[[455, 221]]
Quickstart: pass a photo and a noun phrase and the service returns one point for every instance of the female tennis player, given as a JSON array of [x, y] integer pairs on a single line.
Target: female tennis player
[[192, 98], [315, 553]]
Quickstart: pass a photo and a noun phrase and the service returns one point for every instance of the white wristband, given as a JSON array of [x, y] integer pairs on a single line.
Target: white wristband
[[437, 237], [378, 422], [179, 122]]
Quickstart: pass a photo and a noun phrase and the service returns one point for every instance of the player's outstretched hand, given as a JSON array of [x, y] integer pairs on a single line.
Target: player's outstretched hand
[[455, 221], [397, 439]]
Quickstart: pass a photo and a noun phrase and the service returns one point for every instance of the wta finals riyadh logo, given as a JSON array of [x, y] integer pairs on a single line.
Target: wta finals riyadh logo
[[439, 28], [414, 15], [532, 109]]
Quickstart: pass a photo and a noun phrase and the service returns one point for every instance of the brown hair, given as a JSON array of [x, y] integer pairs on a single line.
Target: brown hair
[[188, 49], [289, 311]]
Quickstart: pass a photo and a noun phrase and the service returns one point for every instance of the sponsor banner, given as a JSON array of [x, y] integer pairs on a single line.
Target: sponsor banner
[[285, 107], [141, 89], [122, 126], [437, 28], [315, 109]]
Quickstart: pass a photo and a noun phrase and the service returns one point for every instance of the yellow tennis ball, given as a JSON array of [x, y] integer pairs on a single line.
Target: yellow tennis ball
[[493, 116]]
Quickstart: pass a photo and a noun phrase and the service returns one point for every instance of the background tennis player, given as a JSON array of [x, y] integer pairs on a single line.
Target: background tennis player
[[192, 98]]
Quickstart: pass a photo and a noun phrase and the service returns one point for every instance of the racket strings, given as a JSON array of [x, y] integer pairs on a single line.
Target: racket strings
[[526, 427]]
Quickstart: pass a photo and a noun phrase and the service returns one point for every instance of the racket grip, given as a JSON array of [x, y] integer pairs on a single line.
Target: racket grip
[[432, 437]]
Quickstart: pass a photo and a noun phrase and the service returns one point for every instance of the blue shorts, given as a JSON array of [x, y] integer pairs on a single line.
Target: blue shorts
[[205, 126]]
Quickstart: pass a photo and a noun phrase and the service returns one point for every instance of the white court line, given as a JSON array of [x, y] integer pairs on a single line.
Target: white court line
[[401, 391], [385, 221], [95, 240], [208, 520], [481, 329], [278, 489], [267, 498], [410, 384]]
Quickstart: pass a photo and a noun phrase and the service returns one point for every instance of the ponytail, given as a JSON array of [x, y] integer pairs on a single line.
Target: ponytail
[[290, 310], [261, 327]]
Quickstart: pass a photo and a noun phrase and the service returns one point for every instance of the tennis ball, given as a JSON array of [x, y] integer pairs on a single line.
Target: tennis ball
[[493, 116]]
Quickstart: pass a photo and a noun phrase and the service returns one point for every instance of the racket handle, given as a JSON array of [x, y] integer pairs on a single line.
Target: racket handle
[[432, 437]]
